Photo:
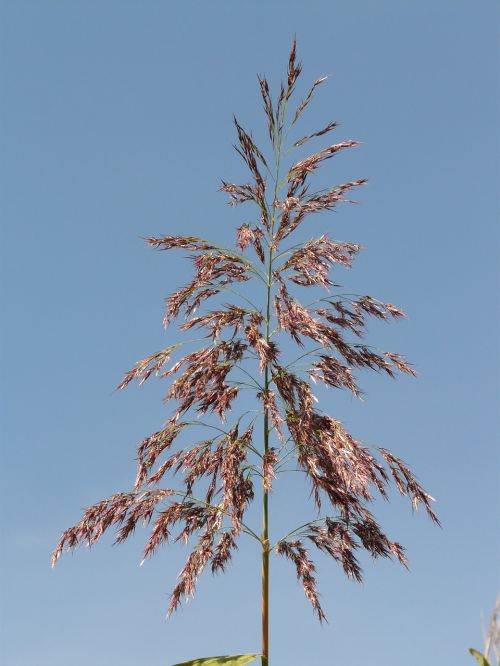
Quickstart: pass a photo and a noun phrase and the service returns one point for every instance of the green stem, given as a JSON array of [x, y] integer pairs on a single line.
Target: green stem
[[265, 494], [265, 559]]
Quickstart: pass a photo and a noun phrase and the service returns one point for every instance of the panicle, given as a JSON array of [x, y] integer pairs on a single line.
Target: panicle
[[266, 350], [240, 193], [334, 373], [153, 446], [237, 487], [196, 562], [298, 322], [231, 317], [294, 69], [147, 366], [320, 132], [202, 385], [308, 98], [296, 205], [296, 553], [344, 475], [213, 270], [247, 235], [250, 153], [223, 551], [180, 242], [269, 403], [313, 261], [407, 484], [300, 170], [269, 461], [268, 106], [335, 539], [112, 511]]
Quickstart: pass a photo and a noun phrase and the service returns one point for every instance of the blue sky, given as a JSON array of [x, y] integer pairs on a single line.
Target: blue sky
[[116, 124]]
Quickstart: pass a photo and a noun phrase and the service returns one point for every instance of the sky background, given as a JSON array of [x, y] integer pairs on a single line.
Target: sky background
[[116, 124]]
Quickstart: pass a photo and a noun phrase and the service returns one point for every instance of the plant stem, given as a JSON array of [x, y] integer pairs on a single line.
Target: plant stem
[[267, 381], [265, 560], [265, 496]]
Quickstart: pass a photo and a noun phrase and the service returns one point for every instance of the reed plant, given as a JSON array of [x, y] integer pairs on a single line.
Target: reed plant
[[491, 639], [253, 397]]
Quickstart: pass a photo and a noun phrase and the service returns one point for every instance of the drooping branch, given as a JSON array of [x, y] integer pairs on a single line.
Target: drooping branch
[[295, 551]]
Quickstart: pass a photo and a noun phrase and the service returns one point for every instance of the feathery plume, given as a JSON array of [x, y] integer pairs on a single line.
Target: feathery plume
[[209, 483]]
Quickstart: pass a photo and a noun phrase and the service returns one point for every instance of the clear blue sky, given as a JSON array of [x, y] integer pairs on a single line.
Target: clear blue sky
[[116, 124]]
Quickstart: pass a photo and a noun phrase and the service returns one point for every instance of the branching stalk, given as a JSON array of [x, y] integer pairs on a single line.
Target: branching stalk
[[342, 472]]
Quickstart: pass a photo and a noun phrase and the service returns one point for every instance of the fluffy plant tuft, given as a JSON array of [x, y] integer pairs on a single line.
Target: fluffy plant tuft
[[244, 352]]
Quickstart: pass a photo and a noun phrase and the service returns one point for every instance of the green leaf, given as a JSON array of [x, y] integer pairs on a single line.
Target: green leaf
[[227, 660], [480, 658]]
